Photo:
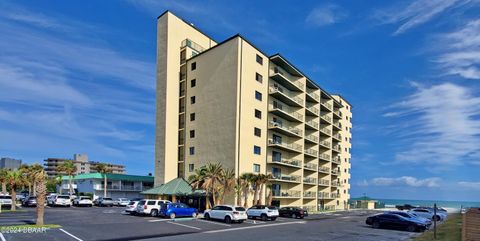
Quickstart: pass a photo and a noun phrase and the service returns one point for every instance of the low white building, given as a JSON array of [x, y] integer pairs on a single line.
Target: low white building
[[118, 185]]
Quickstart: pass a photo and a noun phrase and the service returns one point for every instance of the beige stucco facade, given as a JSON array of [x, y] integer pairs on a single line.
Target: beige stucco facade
[[233, 104]]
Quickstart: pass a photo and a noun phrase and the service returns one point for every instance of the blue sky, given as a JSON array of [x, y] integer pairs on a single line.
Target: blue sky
[[80, 78]]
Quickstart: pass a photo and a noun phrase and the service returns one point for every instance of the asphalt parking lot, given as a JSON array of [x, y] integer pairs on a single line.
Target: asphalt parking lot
[[101, 223]]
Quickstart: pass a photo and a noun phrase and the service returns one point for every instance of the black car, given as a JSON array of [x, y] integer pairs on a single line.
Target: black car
[[293, 212], [395, 221], [29, 202], [404, 207]]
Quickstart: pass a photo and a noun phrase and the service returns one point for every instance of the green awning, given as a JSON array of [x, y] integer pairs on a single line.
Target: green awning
[[177, 186], [111, 177]]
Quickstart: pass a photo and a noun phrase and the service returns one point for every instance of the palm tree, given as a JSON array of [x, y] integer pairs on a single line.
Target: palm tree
[[245, 182], [34, 169], [103, 169], [197, 179], [270, 194], [228, 182], [39, 177], [26, 172], [70, 169], [15, 179], [213, 172], [238, 191], [255, 182], [3, 180], [262, 180]]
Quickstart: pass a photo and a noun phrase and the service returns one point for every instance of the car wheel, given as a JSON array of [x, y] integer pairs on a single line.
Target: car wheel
[[154, 213], [376, 225], [172, 215], [228, 219], [264, 217], [293, 215], [273, 219], [207, 216], [411, 228], [194, 215], [240, 221]]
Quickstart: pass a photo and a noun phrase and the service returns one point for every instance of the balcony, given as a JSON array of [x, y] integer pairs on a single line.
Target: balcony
[[336, 184], [312, 97], [325, 144], [109, 187], [310, 166], [310, 110], [285, 112], [309, 194], [287, 162], [335, 172], [338, 114], [324, 157], [337, 125], [337, 137], [284, 95], [285, 146], [287, 194], [311, 152], [323, 182], [337, 148], [312, 125], [323, 195], [336, 160], [335, 195], [325, 170], [286, 178], [326, 104], [67, 186], [189, 43], [312, 139], [326, 131], [285, 79], [326, 118], [286, 130], [310, 180]]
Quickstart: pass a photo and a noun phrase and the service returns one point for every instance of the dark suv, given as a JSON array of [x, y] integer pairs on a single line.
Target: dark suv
[[293, 212]]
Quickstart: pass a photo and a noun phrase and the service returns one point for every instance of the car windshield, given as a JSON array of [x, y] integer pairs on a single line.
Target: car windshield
[[65, 197], [272, 207], [131, 203], [240, 209], [5, 197], [107, 198], [141, 203], [85, 198]]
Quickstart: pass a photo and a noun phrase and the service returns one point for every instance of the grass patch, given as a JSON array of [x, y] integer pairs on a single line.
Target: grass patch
[[450, 230], [25, 226], [16, 211]]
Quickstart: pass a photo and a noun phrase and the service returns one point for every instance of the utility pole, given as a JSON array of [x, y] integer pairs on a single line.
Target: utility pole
[[435, 221]]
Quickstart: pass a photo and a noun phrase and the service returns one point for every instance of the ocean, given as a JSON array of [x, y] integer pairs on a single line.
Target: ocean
[[429, 203]]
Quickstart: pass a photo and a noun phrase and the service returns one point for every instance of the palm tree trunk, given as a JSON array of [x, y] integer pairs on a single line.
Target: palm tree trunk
[[4, 187], [270, 197], [213, 193], [245, 194], [260, 198], [70, 187], [41, 191], [14, 198], [104, 185], [35, 188], [29, 188]]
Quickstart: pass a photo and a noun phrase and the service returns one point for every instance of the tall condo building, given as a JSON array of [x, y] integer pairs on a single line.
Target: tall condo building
[[230, 102]]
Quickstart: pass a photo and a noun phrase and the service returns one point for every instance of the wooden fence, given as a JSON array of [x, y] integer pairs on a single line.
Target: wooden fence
[[471, 225]]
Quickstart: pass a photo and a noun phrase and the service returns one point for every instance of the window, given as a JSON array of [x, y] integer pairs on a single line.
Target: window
[[151, 203], [194, 65], [258, 77], [259, 59], [192, 134], [192, 116], [257, 132], [256, 168], [258, 95], [191, 167], [257, 150], [192, 100], [192, 151], [258, 114], [276, 156], [193, 83]]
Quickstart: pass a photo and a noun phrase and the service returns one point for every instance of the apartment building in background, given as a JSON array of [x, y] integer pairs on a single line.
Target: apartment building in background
[[231, 103], [10, 163], [81, 162]]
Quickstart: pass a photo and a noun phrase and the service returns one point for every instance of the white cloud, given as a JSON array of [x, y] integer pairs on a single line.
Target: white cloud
[[459, 51], [470, 185], [325, 15], [443, 129], [402, 181], [416, 12]]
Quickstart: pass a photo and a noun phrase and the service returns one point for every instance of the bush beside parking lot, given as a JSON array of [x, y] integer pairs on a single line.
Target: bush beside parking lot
[[450, 230]]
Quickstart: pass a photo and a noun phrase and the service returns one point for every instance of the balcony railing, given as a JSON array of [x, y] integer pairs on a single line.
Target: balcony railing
[[310, 194], [326, 118], [324, 170], [314, 110], [287, 178], [323, 195], [335, 195], [292, 146], [336, 160], [293, 130], [326, 104], [285, 109], [326, 131], [311, 152], [338, 113], [313, 124], [287, 76], [335, 172], [337, 148], [337, 124], [287, 194], [312, 138], [324, 156], [310, 180], [335, 184], [338, 137], [314, 96], [311, 166], [325, 144], [323, 182], [193, 45], [274, 89], [290, 162]]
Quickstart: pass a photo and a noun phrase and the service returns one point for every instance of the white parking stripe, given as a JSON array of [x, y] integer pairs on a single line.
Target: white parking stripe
[[158, 220], [2, 238], [250, 227], [184, 225], [71, 235], [221, 224], [254, 221]]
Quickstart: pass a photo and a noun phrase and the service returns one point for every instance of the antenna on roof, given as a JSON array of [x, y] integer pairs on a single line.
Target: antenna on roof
[[192, 24]]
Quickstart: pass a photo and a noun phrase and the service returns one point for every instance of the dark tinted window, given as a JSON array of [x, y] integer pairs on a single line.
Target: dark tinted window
[[239, 209], [151, 203], [107, 198], [131, 203], [272, 207], [64, 196], [193, 83], [141, 203], [258, 77], [225, 208], [194, 65], [259, 59], [217, 208], [5, 197]]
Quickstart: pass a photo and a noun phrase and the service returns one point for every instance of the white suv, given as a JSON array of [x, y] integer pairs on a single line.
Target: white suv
[[59, 200], [226, 213], [83, 201], [150, 206], [263, 212], [5, 200]]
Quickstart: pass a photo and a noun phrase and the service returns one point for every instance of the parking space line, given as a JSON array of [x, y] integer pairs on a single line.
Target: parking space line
[[250, 227], [184, 225], [158, 220], [221, 224], [2, 238], [254, 221], [71, 235]]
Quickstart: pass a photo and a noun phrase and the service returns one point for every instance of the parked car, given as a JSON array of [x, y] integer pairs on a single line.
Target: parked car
[[132, 207], [226, 213], [263, 212], [6, 200], [103, 202], [150, 207], [59, 200], [83, 201], [29, 202], [404, 207], [428, 213], [395, 221], [293, 212], [121, 201], [173, 210], [427, 221]]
